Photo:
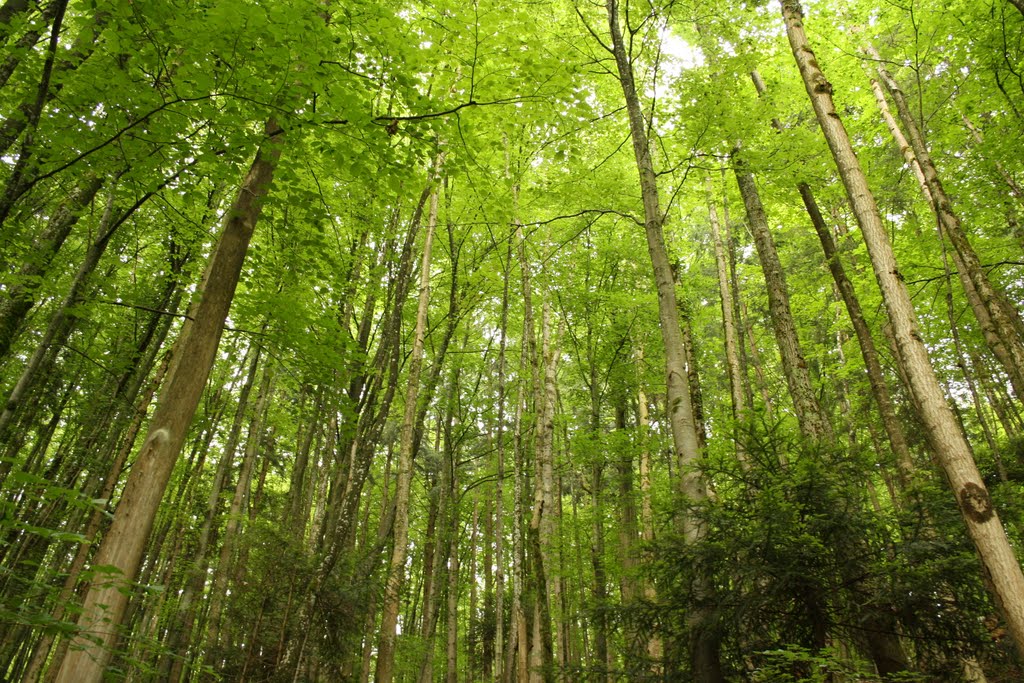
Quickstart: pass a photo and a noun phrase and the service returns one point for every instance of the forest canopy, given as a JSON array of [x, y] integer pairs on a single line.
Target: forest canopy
[[511, 341]]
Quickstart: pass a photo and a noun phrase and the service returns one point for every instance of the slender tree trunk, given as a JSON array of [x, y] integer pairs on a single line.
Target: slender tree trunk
[[499, 485], [542, 518], [629, 584], [814, 423], [298, 510], [999, 321], [29, 111], [1002, 569], [124, 543], [435, 556], [236, 513], [516, 665], [18, 299], [729, 328], [705, 663], [597, 551], [451, 674], [384, 672], [876, 379], [17, 183]]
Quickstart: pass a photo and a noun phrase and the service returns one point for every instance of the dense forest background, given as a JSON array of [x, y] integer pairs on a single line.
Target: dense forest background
[[511, 341]]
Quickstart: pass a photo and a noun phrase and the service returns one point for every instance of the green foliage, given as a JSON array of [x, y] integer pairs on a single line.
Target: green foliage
[[166, 102]]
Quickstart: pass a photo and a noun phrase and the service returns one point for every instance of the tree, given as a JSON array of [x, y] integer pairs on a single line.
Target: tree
[[953, 451]]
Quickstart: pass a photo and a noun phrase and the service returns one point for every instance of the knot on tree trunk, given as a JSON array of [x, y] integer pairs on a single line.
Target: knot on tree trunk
[[976, 503]]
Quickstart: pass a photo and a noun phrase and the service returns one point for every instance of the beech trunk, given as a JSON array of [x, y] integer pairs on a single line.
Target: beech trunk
[[123, 545], [953, 452]]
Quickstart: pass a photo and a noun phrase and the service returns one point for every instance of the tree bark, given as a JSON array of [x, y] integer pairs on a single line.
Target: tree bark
[[180, 634], [729, 328], [236, 515], [1000, 564], [19, 299], [499, 485], [999, 321], [814, 423], [123, 545], [384, 672], [868, 351], [705, 641]]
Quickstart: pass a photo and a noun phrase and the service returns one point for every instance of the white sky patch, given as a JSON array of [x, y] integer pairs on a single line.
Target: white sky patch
[[681, 55]]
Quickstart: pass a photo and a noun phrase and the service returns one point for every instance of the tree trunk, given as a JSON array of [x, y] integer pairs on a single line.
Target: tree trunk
[[499, 484], [384, 672], [236, 512], [729, 328], [541, 532], [705, 663], [876, 379], [999, 321], [123, 545], [18, 300], [997, 556], [814, 423]]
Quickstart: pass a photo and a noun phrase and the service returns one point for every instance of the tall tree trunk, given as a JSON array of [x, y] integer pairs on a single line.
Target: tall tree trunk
[[814, 423], [452, 551], [122, 546], [92, 528], [729, 328], [17, 183], [876, 378], [999, 321], [629, 584], [705, 643], [384, 672], [180, 634], [541, 532], [499, 484], [1002, 569], [515, 665], [18, 299], [236, 513]]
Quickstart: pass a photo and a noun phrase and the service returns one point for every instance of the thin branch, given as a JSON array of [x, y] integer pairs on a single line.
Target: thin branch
[[453, 110], [591, 31], [584, 212], [140, 307]]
